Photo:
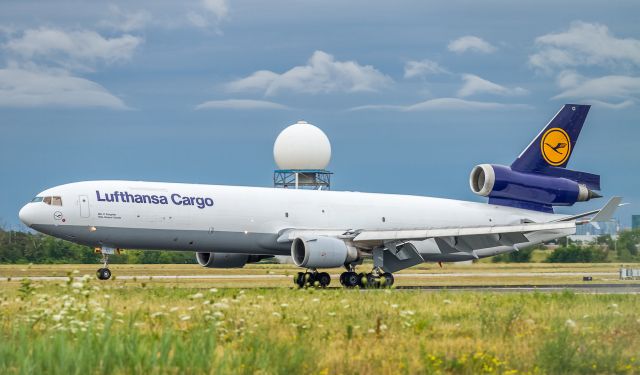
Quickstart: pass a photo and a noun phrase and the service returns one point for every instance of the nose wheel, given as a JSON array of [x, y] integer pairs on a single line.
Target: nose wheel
[[104, 273]]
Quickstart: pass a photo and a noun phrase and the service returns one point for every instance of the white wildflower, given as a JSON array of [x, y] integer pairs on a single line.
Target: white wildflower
[[570, 323]]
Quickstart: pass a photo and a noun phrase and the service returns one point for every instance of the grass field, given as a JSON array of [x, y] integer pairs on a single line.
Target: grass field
[[83, 326]]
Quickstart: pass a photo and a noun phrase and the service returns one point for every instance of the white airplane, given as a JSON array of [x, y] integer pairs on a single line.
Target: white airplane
[[230, 226]]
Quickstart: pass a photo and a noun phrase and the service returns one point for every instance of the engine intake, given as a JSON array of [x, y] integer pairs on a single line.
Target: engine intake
[[227, 260], [322, 252], [501, 183]]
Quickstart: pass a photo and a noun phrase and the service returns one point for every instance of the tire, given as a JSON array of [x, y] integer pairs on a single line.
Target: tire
[[351, 280], [362, 280], [309, 279], [104, 274], [372, 281], [388, 280], [324, 279], [299, 279]]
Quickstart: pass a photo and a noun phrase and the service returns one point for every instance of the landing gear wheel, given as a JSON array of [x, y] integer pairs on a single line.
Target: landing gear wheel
[[387, 280], [373, 281], [351, 279], [103, 274], [362, 280], [323, 279], [309, 279], [299, 279]]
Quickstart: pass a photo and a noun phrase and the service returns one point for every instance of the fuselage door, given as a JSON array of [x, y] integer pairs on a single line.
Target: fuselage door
[[84, 206]]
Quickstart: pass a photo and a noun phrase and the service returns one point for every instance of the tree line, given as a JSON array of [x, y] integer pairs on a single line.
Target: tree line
[[23, 247], [604, 249]]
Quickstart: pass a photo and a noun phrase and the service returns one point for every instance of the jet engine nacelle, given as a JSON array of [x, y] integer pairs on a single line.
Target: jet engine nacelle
[[226, 260], [501, 182], [322, 252]]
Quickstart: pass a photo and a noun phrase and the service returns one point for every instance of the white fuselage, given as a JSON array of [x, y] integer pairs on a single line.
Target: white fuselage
[[235, 219]]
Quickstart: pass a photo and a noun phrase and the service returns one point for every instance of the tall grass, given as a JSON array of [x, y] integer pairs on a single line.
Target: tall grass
[[86, 327]]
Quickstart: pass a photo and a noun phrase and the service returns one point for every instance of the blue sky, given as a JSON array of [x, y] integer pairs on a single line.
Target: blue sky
[[412, 94]]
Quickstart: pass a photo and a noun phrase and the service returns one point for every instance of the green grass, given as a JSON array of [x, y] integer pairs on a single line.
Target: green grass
[[85, 326]]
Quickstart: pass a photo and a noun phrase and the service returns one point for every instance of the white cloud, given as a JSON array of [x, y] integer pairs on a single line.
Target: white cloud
[[79, 49], [211, 12], [471, 43], [584, 44], [24, 88], [240, 104], [126, 20], [476, 85], [322, 74], [576, 86], [599, 103], [422, 68], [444, 104]]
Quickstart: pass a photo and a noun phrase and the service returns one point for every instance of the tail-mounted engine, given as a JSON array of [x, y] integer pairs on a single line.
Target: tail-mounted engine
[[536, 191]]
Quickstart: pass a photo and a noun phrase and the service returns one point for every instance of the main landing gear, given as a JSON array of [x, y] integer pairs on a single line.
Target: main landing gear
[[372, 280], [104, 273], [312, 278], [350, 279]]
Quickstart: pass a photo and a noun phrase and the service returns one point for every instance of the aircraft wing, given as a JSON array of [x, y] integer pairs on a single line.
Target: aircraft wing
[[423, 234], [451, 239]]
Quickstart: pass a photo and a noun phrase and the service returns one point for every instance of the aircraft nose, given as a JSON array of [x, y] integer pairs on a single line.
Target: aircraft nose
[[26, 215]]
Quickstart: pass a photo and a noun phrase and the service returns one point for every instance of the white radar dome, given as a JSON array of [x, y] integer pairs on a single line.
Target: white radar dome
[[302, 146]]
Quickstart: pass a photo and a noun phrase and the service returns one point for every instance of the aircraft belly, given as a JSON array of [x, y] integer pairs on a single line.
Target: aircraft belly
[[179, 240]]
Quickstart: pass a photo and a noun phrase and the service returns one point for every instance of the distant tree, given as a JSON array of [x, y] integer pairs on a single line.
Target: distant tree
[[520, 256], [24, 247], [577, 254]]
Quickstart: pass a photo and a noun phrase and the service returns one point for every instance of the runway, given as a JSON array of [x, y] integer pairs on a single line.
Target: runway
[[333, 276], [583, 287]]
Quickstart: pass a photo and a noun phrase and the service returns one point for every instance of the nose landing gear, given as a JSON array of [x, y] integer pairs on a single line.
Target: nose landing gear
[[104, 273]]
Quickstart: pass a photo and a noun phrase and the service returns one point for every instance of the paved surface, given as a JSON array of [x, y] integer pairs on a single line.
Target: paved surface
[[333, 276]]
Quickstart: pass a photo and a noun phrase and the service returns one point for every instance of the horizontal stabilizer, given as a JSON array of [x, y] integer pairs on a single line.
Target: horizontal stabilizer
[[606, 212]]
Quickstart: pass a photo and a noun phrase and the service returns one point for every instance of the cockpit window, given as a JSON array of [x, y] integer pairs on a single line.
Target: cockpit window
[[53, 201], [36, 199]]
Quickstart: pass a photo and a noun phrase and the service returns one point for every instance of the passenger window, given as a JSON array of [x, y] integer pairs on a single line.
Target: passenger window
[[47, 200], [56, 201]]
